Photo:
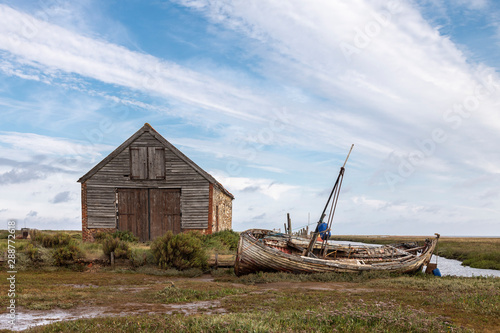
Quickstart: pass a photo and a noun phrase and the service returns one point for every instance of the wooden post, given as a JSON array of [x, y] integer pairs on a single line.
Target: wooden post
[[289, 221], [112, 257], [308, 222]]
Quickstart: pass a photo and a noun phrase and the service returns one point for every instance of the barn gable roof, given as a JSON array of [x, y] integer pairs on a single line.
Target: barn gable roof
[[148, 128]]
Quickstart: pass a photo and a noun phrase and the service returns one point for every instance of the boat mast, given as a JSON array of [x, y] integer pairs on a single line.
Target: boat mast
[[308, 251]]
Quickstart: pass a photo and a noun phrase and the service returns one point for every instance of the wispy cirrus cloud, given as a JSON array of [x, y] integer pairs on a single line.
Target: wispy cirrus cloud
[[42, 45]]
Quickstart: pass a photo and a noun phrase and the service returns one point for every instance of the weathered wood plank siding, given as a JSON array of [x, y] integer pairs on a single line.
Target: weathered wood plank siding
[[117, 174]]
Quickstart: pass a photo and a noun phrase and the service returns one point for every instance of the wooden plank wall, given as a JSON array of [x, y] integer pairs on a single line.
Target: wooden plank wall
[[101, 187]]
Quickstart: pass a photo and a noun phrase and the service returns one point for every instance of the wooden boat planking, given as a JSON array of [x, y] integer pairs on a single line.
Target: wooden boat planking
[[264, 250]]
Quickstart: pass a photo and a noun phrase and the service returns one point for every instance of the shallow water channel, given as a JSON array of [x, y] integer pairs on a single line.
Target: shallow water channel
[[454, 268]]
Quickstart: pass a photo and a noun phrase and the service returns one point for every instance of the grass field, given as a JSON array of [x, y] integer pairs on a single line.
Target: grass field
[[264, 302]]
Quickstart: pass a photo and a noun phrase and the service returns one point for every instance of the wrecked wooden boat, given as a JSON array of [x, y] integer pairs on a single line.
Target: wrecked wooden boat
[[268, 251]]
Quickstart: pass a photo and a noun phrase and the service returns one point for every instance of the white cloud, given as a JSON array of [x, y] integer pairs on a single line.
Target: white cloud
[[38, 172], [268, 187], [53, 48], [37, 144]]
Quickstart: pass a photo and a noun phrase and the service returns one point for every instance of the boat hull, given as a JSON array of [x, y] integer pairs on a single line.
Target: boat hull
[[255, 256]]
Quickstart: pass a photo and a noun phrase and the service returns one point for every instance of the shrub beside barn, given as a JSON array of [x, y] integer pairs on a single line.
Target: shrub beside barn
[[148, 186]]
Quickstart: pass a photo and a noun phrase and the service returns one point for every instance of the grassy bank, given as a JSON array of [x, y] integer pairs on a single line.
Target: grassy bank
[[473, 252], [265, 302]]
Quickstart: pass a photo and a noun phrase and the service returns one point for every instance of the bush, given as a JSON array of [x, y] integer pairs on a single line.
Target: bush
[[50, 240], [101, 236], [120, 248], [181, 251], [77, 236], [125, 236], [67, 253], [141, 257], [222, 240], [32, 253]]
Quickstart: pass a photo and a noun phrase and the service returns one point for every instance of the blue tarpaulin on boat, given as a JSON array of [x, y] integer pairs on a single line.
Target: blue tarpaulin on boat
[[322, 233]]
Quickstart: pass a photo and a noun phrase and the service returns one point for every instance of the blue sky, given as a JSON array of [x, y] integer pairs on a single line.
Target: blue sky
[[267, 96]]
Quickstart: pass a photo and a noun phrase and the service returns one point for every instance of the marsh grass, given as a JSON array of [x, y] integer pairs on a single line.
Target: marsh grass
[[476, 295], [270, 277], [92, 250], [476, 253], [173, 294], [370, 304], [155, 271], [349, 318]]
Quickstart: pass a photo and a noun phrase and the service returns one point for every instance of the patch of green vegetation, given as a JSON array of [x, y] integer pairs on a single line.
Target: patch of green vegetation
[[271, 277], [477, 254], [140, 257], [118, 247], [476, 295], [173, 294], [126, 236], [223, 273], [181, 251], [224, 242], [68, 253], [155, 271], [4, 234], [49, 240], [32, 252]]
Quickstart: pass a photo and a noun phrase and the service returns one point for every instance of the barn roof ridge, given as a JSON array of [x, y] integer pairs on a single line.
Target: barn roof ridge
[[148, 128]]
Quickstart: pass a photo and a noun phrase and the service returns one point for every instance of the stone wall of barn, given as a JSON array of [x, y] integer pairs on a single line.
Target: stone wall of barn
[[223, 206]]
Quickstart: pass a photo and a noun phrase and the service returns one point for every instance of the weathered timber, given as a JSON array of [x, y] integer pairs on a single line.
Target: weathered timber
[[264, 250]]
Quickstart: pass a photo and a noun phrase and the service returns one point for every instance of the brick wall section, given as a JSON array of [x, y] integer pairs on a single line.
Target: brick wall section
[[88, 234], [225, 205]]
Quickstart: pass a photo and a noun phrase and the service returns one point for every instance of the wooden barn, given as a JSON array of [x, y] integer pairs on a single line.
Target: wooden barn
[[147, 186]]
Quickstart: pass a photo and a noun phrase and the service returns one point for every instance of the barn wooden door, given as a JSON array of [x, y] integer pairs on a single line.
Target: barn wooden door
[[133, 212], [165, 211], [149, 213]]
